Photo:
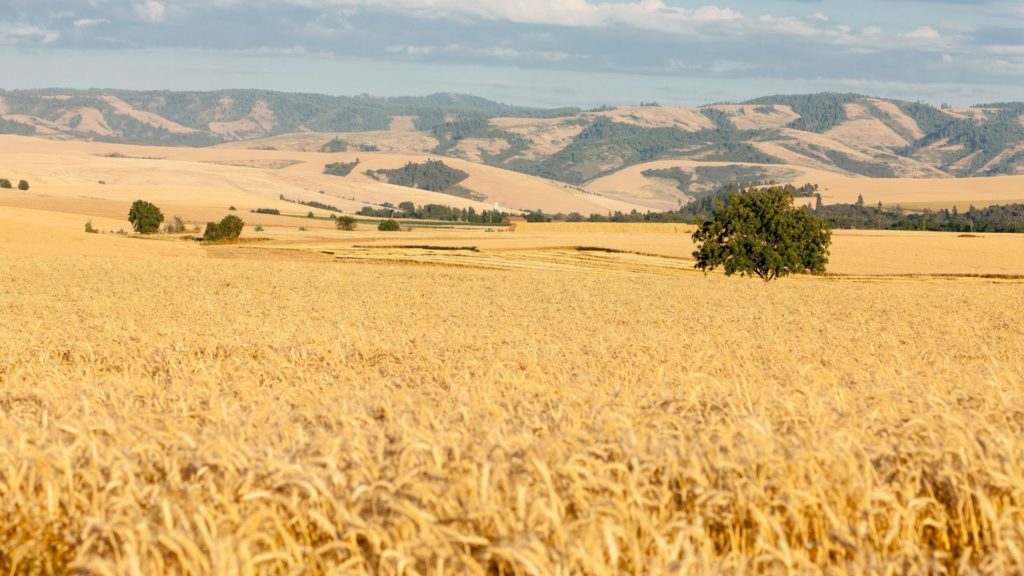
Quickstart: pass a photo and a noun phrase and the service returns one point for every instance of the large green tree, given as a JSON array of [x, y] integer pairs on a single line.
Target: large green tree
[[761, 233], [145, 217]]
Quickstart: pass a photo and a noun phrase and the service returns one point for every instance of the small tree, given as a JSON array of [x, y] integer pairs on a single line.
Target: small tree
[[389, 226], [346, 223], [145, 217], [175, 227], [23, 185], [761, 233], [5, 183], [227, 230], [89, 228]]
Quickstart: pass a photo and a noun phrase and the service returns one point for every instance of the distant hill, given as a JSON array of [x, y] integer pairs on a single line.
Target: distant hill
[[205, 118], [849, 134]]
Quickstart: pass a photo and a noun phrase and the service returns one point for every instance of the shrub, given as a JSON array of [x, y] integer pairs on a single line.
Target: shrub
[[232, 208], [89, 229], [227, 230], [310, 214], [23, 185], [5, 183], [176, 227], [760, 232], [145, 217], [271, 211], [258, 228], [347, 223], [389, 225]]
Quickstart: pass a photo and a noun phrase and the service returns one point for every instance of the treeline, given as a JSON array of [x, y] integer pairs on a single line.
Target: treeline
[[691, 213], [818, 112], [335, 145], [432, 175], [311, 204], [434, 212], [996, 218], [341, 168]]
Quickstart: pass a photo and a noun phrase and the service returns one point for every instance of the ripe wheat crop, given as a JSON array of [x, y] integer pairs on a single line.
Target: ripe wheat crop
[[229, 416]]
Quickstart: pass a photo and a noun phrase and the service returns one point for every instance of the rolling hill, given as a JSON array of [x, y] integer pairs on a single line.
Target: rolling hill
[[565, 159]]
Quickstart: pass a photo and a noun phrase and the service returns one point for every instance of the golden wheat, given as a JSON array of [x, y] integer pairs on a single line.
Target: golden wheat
[[189, 415]]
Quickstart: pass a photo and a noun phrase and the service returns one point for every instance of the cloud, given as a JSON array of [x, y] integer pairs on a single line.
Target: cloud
[[644, 14], [150, 11], [90, 22], [28, 34], [924, 33]]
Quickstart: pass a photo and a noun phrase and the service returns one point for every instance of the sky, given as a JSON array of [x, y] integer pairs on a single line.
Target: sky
[[530, 52]]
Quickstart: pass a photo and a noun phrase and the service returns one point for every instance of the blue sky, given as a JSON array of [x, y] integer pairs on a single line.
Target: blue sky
[[537, 52]]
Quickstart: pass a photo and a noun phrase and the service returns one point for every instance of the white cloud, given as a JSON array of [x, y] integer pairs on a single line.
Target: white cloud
[[499, 52], [150, 11], [924, 33], [1006, 49], [90, 22], [644, 14], [23, 34]]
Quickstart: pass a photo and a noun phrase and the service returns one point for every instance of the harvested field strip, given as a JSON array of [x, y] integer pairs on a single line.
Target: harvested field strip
[[603, 227], [563, 259], [422, 247]]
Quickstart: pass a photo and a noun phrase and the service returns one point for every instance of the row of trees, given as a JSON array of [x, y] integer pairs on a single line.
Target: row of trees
[[995, 218], [691, 213], [147, 217], [7, 184], [440, 212]]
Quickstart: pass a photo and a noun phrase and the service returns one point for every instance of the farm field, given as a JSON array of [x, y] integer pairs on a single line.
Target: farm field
[[363, 402]]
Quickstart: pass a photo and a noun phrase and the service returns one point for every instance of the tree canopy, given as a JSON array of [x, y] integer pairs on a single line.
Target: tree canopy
[[227, 230], [145, 217], [346, 223], [761, 233]]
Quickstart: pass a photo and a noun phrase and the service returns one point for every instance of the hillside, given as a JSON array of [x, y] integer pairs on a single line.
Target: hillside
[[100, 179], [579, 153]]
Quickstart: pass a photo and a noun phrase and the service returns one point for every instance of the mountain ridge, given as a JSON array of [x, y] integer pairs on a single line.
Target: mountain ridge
[[847, 133]]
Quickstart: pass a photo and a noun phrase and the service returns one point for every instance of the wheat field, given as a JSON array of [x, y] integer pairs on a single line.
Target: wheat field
[[167, 408]]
